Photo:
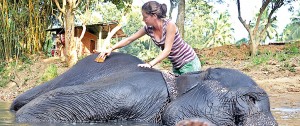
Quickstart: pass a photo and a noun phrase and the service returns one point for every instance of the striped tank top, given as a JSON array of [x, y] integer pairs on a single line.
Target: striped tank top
[[181, 53]]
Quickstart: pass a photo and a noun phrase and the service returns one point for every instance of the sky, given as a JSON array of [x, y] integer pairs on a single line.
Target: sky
[[248, 10]]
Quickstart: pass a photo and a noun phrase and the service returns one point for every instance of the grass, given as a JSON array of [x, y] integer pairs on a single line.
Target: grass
[[260, 59], [50, 73], [289, 67], [8, 69], [4, 74], [283, 57]]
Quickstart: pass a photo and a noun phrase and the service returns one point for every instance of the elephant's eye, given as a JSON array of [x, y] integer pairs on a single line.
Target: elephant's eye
[[252, 99]]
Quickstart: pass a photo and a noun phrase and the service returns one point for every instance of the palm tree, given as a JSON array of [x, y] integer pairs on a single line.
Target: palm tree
[[203, 30], [292, 31], [220, 32]]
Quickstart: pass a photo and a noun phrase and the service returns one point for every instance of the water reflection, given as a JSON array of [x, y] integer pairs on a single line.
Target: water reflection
[[6, 117]]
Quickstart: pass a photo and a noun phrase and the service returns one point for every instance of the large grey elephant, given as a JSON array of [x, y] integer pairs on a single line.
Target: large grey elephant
[[225, 97], [119, 90]]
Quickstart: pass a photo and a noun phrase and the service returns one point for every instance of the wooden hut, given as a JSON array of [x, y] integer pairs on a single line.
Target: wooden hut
[[91, 37]]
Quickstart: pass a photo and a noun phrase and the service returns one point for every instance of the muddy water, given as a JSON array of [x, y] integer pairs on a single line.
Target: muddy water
[[285, 116]]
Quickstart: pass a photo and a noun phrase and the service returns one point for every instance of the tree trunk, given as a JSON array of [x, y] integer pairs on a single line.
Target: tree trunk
[[70, 45], [254, 42], [180, 17], [254, 47], [173, 4]]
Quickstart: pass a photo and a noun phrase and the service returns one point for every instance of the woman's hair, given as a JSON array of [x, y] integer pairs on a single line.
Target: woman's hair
[[153, 7]]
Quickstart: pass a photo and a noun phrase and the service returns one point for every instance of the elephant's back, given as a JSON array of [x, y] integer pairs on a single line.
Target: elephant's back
[[84, 71], [138, 95]]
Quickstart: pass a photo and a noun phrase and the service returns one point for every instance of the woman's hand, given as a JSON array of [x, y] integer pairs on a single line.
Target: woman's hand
[[145, 65], [106, 52]]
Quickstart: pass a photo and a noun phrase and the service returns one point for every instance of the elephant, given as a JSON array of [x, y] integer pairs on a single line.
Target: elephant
[[114, 90], [224, 96], [84, 71], [118, 89]]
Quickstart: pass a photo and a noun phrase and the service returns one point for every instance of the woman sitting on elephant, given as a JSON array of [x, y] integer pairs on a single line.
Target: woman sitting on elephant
[[165, 35]]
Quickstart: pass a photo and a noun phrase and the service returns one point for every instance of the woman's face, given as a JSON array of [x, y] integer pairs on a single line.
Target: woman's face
[[148, 19]]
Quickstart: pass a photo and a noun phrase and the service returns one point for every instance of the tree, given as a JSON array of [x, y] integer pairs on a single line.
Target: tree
[[271, 32], [67, 9], [173, 4], [181, 17], [23, 25], [292, 30], [256, 34], [220, 31], [206, 26]]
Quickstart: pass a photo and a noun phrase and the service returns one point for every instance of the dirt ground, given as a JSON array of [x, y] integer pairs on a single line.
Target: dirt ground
[[282, 85]]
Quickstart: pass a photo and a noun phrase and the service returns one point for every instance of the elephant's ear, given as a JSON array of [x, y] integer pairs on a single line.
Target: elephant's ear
[[187, 82]]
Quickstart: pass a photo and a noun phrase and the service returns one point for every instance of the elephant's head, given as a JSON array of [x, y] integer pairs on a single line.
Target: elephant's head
[[223, 96]]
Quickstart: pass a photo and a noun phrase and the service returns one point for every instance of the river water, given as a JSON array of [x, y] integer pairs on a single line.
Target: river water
[[285, 117]]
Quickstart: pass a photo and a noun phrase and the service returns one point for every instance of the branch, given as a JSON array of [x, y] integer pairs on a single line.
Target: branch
[[78, 2], [83, 32], [58, 17], [240, 17], [270, 19], [58, 6], [261, 11], [106, 42]]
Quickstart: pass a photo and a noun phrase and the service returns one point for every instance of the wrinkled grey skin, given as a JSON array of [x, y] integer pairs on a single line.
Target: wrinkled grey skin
[[226, 97], [119, 90], [85, 71], [89, 92]]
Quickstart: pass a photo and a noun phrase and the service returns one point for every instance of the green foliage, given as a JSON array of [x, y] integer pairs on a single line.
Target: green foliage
[[292, 48], [120, 3], [271, 31], [289, 67], [8, 69], [4, 78], [261, 58], [292, 30], [108, 11], [143, 48], [23, 27], [281, 57], [206, 27], [166, 63], [50, 73], [242, 41]]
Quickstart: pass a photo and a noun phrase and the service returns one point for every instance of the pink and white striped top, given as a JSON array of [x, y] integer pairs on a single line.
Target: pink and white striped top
[[181, 52]]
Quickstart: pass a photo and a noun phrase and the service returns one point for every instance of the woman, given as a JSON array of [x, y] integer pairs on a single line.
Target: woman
[[165, 35]]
